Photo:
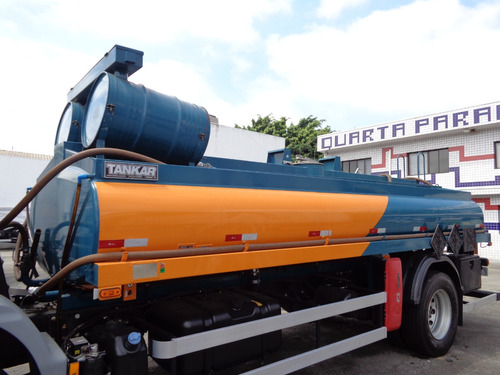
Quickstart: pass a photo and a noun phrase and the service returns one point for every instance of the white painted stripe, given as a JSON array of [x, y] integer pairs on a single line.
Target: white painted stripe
[[136, 242], [249, 237]]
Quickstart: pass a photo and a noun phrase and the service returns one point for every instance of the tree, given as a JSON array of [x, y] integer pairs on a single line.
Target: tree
[[300, 138], [267, 125]]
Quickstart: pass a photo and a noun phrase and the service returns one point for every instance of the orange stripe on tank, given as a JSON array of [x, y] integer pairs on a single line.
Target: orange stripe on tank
[[173, 217]]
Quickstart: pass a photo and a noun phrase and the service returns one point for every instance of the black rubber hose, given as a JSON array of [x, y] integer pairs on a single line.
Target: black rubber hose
[[21, 232], [115, 152], [67, 244]]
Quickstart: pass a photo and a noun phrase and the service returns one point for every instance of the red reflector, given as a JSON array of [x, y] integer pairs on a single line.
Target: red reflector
[[233, 237], [373, 231], [109, 244], [314, 233], [423, 229], [394, 290]]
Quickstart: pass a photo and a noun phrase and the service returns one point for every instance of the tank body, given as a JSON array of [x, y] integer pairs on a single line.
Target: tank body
[[128, 206], [193, 207]]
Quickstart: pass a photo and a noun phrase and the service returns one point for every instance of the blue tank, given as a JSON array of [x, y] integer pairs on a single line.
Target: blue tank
[[125, 115]]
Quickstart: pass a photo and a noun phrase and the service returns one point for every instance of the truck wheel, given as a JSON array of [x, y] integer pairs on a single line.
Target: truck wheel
[[430, 327]]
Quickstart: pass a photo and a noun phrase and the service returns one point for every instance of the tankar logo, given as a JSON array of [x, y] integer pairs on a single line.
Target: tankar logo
[[130, 171]]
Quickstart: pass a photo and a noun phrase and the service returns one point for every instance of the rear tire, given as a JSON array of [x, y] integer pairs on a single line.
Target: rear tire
[[430, 327]]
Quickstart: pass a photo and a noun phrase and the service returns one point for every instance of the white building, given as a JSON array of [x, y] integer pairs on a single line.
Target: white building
[[232, 143], [461, 149], [19, 171]]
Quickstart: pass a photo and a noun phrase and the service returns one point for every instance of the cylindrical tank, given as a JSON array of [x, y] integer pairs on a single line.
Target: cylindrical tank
[[125, 115], [70, 123], [116, 216]]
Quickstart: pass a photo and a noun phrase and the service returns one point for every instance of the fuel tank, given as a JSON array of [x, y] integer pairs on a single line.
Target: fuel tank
[[189, 207]]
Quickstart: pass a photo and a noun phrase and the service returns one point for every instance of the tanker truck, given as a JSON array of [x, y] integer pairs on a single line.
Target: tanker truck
[[154, 250]]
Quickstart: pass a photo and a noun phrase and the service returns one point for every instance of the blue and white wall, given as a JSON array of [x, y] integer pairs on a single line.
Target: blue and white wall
[[469, 134]]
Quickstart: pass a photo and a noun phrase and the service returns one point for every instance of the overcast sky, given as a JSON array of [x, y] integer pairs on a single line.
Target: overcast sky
[[353, 63]]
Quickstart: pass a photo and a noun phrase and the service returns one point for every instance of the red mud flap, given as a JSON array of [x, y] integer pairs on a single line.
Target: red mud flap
[[394, 291]]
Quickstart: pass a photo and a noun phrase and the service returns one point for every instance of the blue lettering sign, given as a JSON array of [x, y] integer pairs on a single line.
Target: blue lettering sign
[[420, 123], [367, 135], [398, 127], [382, 131], [460, 117], [337, 143], [486, 111], [352, 137], [440, 120], [326, 143]]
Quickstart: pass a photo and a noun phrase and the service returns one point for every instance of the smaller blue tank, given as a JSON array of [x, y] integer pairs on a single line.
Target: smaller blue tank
[[125, 115]]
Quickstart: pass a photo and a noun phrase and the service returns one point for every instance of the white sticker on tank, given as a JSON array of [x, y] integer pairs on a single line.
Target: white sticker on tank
[[249, 237], [136, 242]]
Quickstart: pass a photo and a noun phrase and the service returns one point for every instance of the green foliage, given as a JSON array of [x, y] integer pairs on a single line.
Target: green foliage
[[300, 138], [267, 125]]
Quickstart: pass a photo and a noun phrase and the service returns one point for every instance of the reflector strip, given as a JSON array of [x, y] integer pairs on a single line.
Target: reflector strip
[[377, 231], [420, 229], [108, 244], [130, 242], [136, 242], [241, 237], [320, 233]]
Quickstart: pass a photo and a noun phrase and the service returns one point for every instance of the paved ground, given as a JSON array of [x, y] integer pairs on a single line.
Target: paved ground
[[476, 349]]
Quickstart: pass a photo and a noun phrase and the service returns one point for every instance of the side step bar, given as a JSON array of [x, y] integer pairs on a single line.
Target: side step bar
[[309, 358], [199, 341], [482, 298]]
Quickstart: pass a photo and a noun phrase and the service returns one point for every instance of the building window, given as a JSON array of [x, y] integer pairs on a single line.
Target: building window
[[497, 155], [362, 166], [436, 161]]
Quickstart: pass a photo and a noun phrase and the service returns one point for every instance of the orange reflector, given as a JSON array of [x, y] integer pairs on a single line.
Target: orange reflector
[[74, 368], [110, 293]]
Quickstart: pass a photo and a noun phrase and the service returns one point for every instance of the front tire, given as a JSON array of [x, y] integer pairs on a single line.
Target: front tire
[[430, 327]]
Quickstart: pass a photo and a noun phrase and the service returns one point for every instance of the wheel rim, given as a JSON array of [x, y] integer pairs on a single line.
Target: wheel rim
[[440, 314]]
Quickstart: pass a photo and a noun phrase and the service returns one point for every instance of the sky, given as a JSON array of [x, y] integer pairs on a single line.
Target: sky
[[351, 63]]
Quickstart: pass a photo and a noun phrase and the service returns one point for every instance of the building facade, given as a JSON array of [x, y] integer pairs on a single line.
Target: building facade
[[457, 149]]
